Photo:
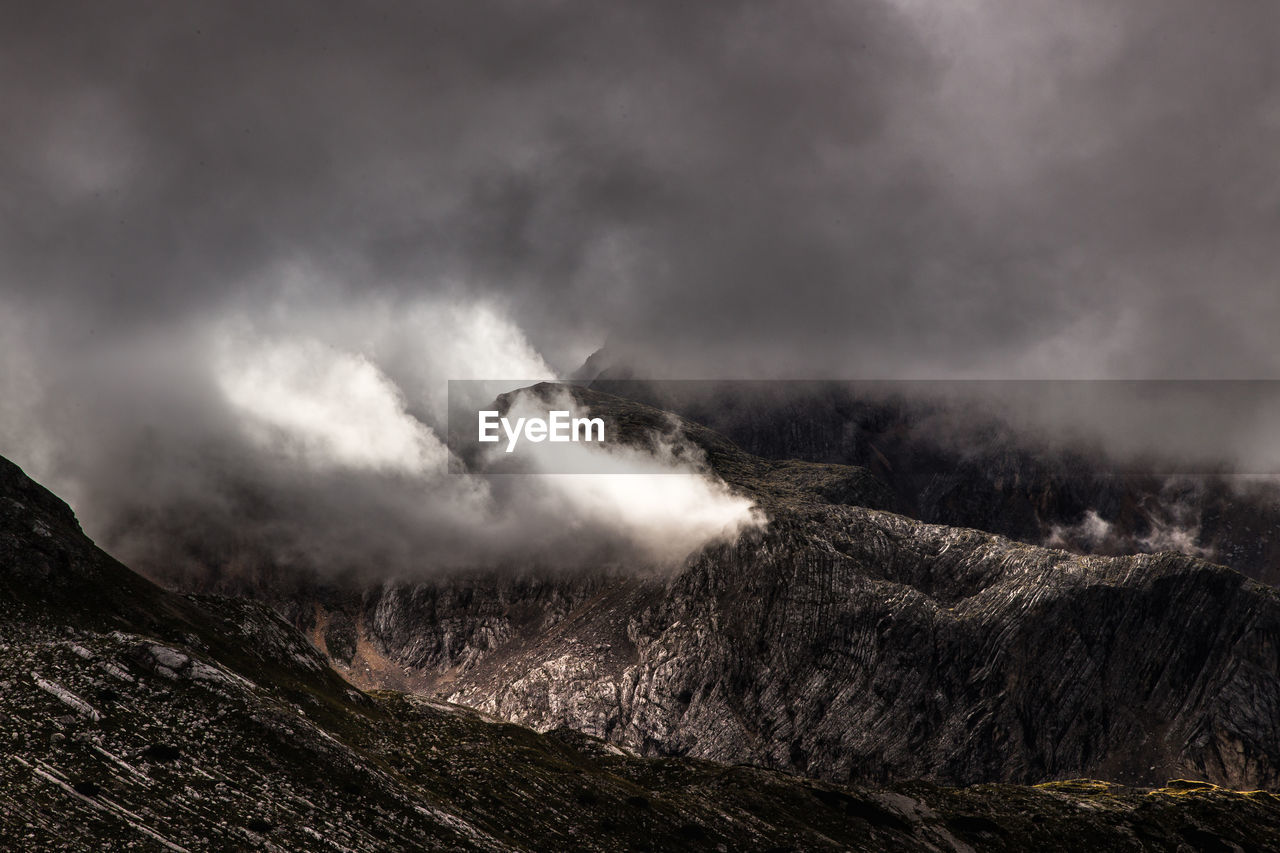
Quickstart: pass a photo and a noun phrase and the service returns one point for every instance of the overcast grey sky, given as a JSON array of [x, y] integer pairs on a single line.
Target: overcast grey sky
[[1053, 186], [1068, 188]]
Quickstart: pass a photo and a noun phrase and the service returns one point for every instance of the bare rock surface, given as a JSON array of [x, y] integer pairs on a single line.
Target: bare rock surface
[[850, 643]]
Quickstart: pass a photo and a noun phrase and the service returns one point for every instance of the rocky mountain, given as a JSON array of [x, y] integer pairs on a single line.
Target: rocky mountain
[[134, 718], [849, 643]]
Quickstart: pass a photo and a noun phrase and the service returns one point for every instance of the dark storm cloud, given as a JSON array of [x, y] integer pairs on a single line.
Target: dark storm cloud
[[1074, 189], [165, 156], [875, 188], [814, 188]]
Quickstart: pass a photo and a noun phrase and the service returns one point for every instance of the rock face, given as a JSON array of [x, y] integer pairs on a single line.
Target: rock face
[[853, 644], [135, 718], [850, 643]]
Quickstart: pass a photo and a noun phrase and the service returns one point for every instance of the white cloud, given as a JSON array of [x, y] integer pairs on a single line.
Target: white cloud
[[324, 406], [665, 503]]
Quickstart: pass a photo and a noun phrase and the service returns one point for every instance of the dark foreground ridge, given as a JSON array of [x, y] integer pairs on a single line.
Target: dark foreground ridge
[[136, 718]]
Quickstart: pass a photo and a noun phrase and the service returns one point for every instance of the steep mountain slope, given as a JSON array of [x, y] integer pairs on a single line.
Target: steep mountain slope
[[851, 644], [138, 719]]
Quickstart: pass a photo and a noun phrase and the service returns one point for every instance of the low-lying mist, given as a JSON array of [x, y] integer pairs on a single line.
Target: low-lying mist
[[313, 441]]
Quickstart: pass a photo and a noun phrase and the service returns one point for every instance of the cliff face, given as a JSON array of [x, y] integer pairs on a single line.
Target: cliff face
[[852, 643]]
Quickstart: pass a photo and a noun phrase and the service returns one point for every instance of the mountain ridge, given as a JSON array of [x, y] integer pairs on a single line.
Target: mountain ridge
[[855, 644], [139, 719]]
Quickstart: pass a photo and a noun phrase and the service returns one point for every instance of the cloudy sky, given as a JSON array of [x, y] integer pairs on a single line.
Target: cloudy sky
[[225, 227]]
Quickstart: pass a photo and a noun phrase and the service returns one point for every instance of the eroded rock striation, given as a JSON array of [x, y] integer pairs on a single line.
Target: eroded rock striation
[[851, 643]]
